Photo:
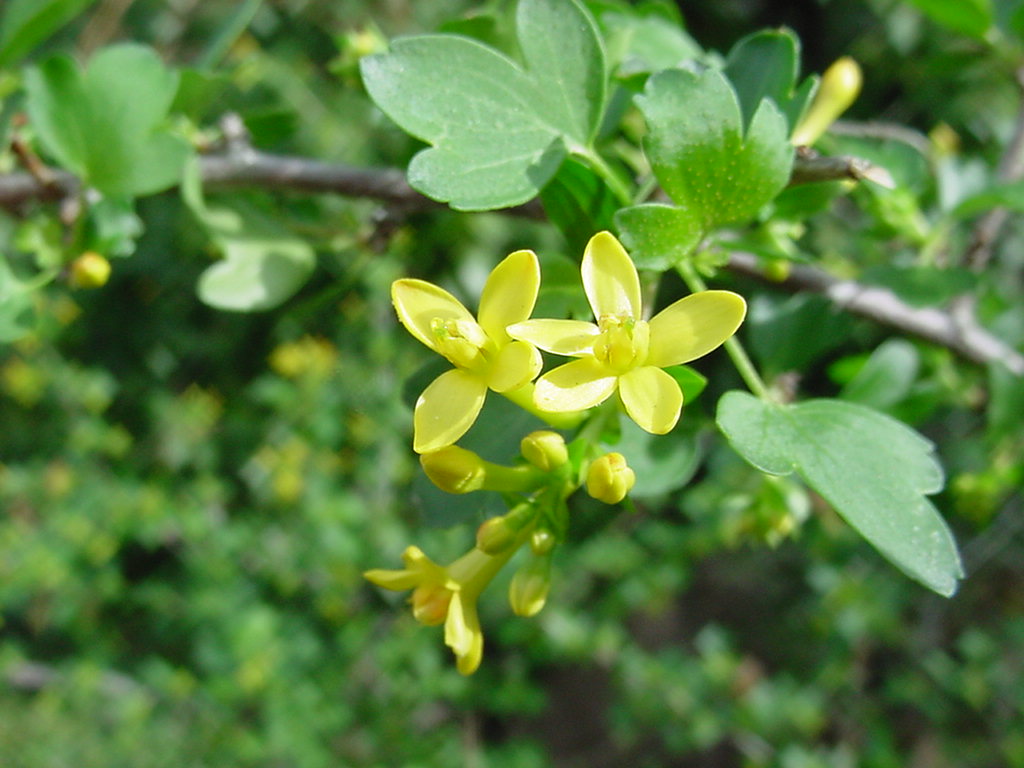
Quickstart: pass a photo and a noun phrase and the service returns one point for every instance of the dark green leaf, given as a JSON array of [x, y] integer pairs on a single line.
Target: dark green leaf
[[874, 470], [789, 335], [965, 17], [26, 23], [765, 65], [499, 132], [578, 203], [662, 463]]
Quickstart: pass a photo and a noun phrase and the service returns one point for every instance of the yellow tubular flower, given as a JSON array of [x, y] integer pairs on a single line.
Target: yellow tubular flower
[[622, 351], [484, 355], [447, 595]]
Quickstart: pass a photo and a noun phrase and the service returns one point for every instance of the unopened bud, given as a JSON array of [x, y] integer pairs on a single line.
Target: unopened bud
[[90, 270], [499, 533], [545, 450], [609, 478], [839, 87], [542, 541], [454, 469], [530, 586], [494, 536]]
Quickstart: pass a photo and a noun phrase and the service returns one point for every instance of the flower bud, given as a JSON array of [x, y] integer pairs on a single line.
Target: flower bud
[[454, 469], [530, 586], [545, 450], [609, 478], [839, 87], [542, 541], [495, 535], [90, 270]]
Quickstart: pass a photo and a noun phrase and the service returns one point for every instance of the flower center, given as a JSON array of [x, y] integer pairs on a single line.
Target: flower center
[[430, 603], [463, 342], [622, 344]]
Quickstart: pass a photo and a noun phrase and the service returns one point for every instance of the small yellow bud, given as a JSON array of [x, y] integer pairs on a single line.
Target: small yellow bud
[[454, 469], [545, 450], [494, 536], [838, 90], [90, 270], [609, 478], [530, 586]]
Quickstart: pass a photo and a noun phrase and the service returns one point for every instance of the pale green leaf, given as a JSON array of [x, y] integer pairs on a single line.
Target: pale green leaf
[[498, 131], [106, 124], [873, 470]]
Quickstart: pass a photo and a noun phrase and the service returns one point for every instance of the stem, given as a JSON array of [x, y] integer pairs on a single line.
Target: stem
[[609, 176], [733, 347]]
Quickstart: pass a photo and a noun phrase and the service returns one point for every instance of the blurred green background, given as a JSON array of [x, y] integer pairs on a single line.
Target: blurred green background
[[188, 497]]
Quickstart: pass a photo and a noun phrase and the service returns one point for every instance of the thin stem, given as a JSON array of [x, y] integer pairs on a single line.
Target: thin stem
[[733, 347], [609, 176]]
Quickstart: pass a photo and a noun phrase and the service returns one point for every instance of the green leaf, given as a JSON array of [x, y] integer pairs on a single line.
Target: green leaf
[[791, 334], [690, 381], [263, 265], [1009, 195], [965, 17], [106, 123], [578, 203], [26, 23], [699, 153], [658, 236], [922, 285], [886, 377], [17, 313], [873, 470], [644, 40], [765, 65], [499, 131]]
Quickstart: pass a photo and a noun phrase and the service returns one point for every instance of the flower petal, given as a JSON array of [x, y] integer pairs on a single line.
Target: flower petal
[[652, 398], [575, 386], [418, 303], [693, 326], [509, 294], [560, 337], [463, 635], [517, 364], [447, 409], [396, 580], [609, 278]]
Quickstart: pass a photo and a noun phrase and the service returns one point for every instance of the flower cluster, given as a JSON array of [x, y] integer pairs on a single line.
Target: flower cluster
[[621, 353]]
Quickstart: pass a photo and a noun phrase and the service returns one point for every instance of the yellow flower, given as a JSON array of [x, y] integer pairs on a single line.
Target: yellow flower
[[448, 596], [622, 351], [484, 355]]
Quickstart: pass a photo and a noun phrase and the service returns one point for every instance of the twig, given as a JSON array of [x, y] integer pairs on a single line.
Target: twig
[[956, 331]]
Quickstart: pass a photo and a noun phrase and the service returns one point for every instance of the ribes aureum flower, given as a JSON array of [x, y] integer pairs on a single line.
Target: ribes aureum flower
[[622, 351], [484, 355], [448, 596]]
